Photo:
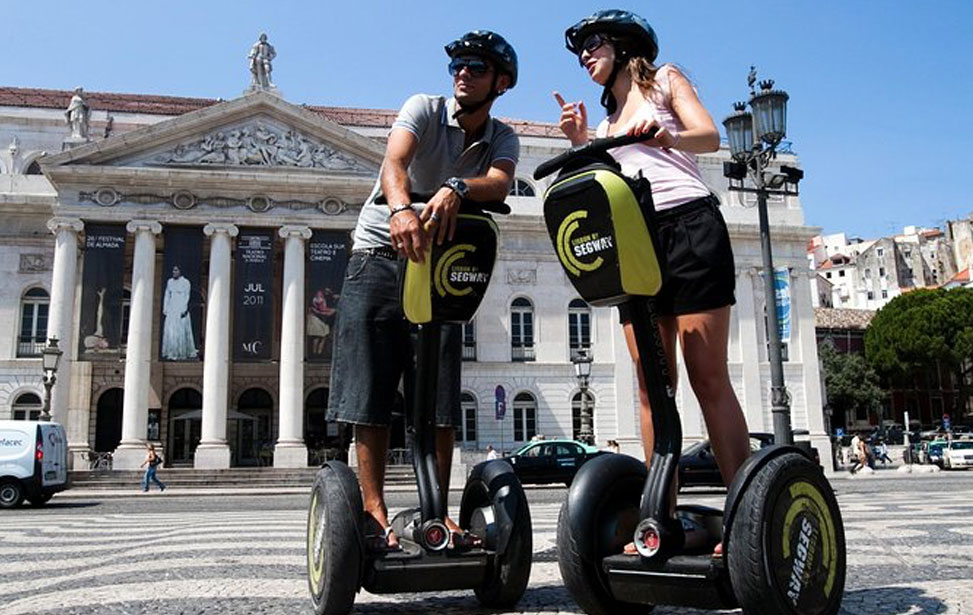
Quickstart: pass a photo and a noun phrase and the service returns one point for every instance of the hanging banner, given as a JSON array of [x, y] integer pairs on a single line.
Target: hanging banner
[[100, 328], [182, 296], [253, 306], [327, 258], [782, 292]]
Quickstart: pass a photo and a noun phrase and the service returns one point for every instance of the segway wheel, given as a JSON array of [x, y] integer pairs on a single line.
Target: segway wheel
[[786, 549], [334, 542], [494, 483], [598, 519]]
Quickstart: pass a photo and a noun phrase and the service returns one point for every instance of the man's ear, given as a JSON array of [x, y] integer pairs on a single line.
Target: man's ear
[[503, 83]]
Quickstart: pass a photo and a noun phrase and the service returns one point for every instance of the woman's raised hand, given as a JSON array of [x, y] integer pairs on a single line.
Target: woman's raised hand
[[573, 121]]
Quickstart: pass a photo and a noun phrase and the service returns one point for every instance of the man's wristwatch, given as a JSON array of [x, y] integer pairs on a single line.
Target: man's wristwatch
[[458, 186]]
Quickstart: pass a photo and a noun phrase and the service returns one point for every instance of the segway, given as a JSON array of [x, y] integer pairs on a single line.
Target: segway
[[448, 287], [783, 539]]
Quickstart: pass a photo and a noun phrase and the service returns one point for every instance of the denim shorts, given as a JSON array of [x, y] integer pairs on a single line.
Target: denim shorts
[[698, 261], [374, 348]]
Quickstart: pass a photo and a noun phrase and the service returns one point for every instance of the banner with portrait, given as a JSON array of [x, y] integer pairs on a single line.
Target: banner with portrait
[[327, 258], [181, 320], [253, 296], [100, 329]]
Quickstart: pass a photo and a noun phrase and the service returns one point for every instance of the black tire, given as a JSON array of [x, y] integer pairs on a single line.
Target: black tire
[[598, 519], [40, 500], [334, 540], [506, 578], [786, 549], [11, 493]]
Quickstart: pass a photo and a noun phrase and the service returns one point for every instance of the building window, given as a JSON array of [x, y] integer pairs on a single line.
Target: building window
[[871, 295], [521, 330], [868, 273], [525, 417], [784, 351], [828, 275], [885, 294], [469, 341], [881, 272], [521, 187], [126, 314], [466, 431], [880, 252], [579, 327], [576, 414], [27, 407], [841, 273], [34, 308], [34, 168]]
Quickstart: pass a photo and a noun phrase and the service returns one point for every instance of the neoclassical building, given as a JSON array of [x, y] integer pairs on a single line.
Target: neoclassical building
[[188, 254]]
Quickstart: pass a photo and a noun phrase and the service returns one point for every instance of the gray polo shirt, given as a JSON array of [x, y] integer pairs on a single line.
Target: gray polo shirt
[[439, 156]]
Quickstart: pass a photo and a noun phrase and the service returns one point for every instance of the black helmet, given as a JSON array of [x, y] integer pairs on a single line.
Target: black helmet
[[623, 24], [490, 45]]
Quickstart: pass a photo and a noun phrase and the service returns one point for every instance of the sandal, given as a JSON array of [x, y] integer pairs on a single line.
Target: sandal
[[630, 549], [379, 540], [464, 539]]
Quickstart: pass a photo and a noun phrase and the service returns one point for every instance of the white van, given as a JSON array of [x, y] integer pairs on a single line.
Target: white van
[[33, 462]]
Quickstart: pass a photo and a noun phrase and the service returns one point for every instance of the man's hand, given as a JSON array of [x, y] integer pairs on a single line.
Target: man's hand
[[440, 214], [407, 235]]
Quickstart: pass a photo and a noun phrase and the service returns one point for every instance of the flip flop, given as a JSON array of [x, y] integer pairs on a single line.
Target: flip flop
[[379, 543]]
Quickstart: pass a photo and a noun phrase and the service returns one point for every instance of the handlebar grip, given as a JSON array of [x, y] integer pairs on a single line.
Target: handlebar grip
[[591, 147], [497, 207]]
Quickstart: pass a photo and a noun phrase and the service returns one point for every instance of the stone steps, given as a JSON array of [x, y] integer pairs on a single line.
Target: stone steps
[[229, 478]]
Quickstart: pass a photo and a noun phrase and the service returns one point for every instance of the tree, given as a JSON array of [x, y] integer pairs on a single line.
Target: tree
[[923, 329], [849, 380]]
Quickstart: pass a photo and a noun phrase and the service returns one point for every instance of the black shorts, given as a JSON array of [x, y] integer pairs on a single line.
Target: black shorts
[[374, 348], [698, 261]]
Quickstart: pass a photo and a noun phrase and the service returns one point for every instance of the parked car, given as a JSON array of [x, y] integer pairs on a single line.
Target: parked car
[[958, 454], [33, 462], [933, 452], [697, 464], [551, 461]]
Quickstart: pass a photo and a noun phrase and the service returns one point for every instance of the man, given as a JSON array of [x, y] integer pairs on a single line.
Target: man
[[492, 453], [261, 55], [453, 150]]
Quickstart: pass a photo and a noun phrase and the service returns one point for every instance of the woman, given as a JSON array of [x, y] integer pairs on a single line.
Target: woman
[[152, 461], [618, 49]]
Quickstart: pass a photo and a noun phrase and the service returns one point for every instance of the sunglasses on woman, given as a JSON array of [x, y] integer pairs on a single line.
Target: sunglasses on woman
[[475, 66], [592, 44]]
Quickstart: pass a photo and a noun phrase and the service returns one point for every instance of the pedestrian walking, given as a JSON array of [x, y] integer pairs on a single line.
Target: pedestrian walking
[[492, 453], [152, 461], [882, 453]]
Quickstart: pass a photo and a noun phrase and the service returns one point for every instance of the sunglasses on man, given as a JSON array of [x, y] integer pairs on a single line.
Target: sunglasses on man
[[475, 66]]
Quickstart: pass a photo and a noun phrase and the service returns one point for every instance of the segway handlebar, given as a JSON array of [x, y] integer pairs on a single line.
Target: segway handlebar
[[595, 146], [496, 207]]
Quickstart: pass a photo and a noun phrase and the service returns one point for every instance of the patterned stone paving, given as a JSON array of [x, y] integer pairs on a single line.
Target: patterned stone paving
[[910, 551]]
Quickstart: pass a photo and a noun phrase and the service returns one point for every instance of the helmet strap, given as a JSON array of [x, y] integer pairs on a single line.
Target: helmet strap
[[467, 109], [607, 98]]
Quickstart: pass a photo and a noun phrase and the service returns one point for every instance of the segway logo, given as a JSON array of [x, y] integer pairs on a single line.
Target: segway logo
[[571, 249], [449, 272], [802, 555]]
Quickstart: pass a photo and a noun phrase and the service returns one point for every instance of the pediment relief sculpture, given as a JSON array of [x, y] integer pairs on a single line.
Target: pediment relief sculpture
[[261, 145]]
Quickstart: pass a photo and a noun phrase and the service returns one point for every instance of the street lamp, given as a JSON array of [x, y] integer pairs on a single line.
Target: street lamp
[[582, 370], [50, 358], [753, 139]]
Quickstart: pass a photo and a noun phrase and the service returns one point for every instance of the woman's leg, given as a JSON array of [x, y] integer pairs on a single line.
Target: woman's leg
[[703, 337], [667, 329]]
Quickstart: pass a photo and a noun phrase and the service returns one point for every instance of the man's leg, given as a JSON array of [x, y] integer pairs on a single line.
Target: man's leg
[[372, 444]]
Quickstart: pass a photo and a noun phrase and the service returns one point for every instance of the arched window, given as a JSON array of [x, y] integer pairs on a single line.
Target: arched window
[[521, 187], [576, 414], [469, 341], [34, 308], [27, 407], [521, 330], [525, 417], [466, 430], [579, 327], [34, 168]]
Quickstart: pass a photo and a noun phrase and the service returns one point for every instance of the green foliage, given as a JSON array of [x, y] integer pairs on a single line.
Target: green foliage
[[921, 328], [850, 381]]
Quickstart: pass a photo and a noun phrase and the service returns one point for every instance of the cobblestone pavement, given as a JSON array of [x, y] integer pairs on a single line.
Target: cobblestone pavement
[[910, 551]]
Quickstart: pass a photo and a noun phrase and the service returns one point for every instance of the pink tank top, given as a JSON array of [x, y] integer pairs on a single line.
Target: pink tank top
[[674, 174]]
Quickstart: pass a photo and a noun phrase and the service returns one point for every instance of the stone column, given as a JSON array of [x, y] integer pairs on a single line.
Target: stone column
[[291, 452], [138, 354], [213, 451], [60, 322]]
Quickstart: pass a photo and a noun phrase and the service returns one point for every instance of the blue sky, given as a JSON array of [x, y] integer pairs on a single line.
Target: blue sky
[[879, 99]]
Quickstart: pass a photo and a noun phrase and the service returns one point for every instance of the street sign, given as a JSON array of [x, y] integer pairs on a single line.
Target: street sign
[[500, 403]]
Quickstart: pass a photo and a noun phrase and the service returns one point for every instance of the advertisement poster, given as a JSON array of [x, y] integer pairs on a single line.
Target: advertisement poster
[[101, 325], [782, 292], [327, 258], [253, 305], [182, 295]]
